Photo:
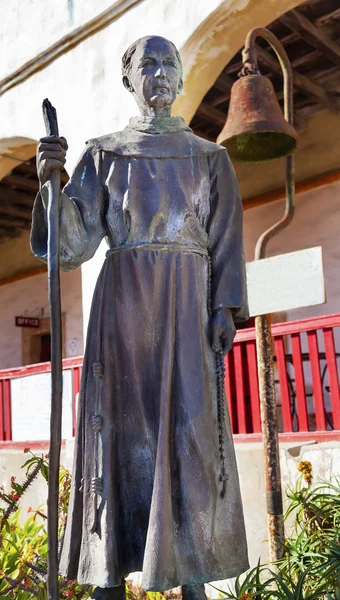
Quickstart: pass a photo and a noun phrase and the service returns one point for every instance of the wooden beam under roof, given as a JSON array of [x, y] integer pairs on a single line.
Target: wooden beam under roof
[[23, 275], [224, 83], [23, 183], [301, 61], [316, 88], [203, 134], [322, 21], [210, 112], [328, 77], [301, 82], [15, 197], [21, 212], [8, 233], [311, 34], [27, 168], [306, 112], [310, 3], [332, 16], [220, 99], [10, 221], [291, 38]]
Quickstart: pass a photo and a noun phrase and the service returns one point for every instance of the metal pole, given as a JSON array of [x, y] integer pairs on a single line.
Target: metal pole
[[50, 118], [264, 340], [275, 521]]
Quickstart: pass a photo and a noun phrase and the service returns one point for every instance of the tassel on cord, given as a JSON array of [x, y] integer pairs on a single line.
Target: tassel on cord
[[97, 424], [220, 373], [97, 483]]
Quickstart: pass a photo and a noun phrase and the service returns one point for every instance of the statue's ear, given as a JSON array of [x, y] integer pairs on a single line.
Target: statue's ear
[[127, 84], [180, 86]]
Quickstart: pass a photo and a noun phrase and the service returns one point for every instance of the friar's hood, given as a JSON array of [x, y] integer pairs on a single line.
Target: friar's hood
[[152, 137]]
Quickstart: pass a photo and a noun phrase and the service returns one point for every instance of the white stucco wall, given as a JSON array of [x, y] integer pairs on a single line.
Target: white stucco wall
[[52, 19], [29, 297]]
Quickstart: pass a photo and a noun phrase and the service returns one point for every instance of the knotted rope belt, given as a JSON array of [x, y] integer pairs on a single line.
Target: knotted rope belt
[[169, 247]]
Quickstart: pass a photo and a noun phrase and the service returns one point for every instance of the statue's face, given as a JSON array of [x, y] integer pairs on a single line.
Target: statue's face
[[155, 73]]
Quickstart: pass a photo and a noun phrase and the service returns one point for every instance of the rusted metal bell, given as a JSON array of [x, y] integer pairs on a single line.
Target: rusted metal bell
[[256, 130]]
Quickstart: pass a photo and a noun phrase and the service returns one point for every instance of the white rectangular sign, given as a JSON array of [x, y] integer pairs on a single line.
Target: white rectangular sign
[[287, 281], [31, 407]]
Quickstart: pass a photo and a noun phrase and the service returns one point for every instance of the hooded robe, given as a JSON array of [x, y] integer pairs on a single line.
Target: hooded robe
[[169, 206]]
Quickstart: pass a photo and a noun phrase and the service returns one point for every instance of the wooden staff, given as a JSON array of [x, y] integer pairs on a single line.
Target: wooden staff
[[51, 124]]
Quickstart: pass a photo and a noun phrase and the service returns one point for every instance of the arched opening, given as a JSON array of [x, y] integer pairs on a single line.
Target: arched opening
[[25, 332], [315, 74], [18, 187], [310, 34], [214, 43]]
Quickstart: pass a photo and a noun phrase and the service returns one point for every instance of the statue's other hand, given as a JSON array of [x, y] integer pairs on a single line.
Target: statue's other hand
[[222, 330], [51, 156]]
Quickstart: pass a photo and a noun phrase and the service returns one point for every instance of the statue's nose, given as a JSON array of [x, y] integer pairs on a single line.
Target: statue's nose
[[160, 72]]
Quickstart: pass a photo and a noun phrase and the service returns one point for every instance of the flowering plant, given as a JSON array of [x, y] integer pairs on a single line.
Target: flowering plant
[[23, 548], [310, 566]]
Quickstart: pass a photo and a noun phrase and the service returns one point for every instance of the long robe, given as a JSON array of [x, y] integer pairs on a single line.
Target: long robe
[[169, 206]]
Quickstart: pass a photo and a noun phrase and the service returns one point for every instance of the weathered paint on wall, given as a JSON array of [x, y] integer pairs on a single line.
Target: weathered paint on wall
[[30, 296]]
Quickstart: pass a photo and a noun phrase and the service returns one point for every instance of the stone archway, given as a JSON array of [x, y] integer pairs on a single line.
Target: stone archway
[[206, 53], [14, 151], [212, 45], [16, 206]]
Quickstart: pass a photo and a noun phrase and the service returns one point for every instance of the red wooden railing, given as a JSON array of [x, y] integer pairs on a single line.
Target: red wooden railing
[[73, 364], [307, 368], [307, 374]]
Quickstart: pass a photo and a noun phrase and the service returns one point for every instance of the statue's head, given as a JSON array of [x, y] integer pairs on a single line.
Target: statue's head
[[152, 71]]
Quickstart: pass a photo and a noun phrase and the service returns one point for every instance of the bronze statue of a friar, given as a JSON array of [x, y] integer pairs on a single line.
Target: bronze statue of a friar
[[155, 485]]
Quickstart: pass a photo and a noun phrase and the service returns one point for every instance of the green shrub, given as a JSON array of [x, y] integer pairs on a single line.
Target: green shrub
[[313, 548], [310, 567], [23, 548]]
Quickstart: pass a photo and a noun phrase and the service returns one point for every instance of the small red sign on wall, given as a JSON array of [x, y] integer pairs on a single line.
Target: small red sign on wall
[[27, 322]]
